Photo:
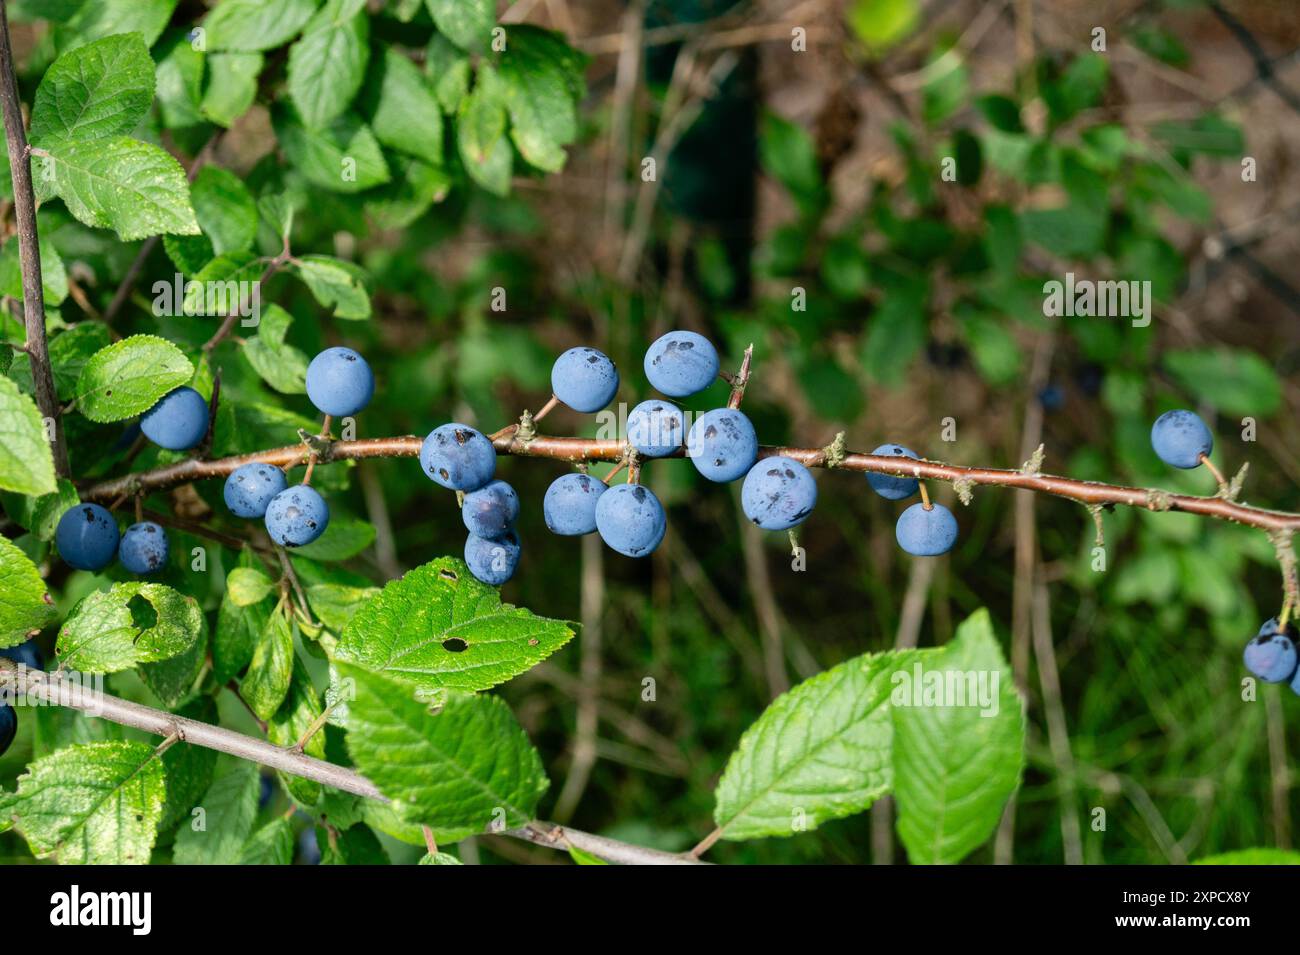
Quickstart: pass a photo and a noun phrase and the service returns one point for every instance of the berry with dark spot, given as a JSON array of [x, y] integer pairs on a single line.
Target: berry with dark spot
[[889, 486], [87, 537], [926, 533], [656, 428], [569, 507], [584, 379], [458, 457], [1271, 655], [297, 516], [144, 548], [681, 364], [178, 421], [1180, 438], [492, 559], [778, 493], [250, 487], [631, 520], [491, 510], [722, 444], [339, 382]]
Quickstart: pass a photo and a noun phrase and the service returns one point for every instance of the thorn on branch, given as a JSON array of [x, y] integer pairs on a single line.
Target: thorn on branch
[[1100, 539], [834, 453], [741, 379], [1035, 463], [1233, 490]]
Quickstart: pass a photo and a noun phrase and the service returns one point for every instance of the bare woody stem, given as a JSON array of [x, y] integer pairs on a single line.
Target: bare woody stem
[[54, 689], [580, 450], [29, 247]]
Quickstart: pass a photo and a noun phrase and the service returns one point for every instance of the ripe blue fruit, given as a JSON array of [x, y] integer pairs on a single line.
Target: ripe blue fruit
[[492, 559], [178, 421], [722, 444], [656, 428], [87, 537], [297, 516], [1180, 438], [8, 727], [584, 379], [144, 548], [926, 533], [778, 493], [630, 519], [339, 382], [570, 504], [250, 487], [1271, 655], [889, 486], [681, 364], [28, 654], [491, 510], [458, 457]]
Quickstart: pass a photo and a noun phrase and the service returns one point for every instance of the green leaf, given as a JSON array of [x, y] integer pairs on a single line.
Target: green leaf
[[102, 18], [787, 153], [134, 188], [467, 23], [465, 769], [54, 277], [441, 858], [537, 72], [114, 629], [188, 770], [128, 377], [26, 460], [171, 680], [223, 286], [96, 803], [238, 631], [281, 366], [40, 515], [217, 836], [328, 64], [336, 604], [1235, 381], [355, 846], [253, 25], [341, 157], [179, 81], [343, 538], [266, 684], [402, 109], [442, 628], [1002, 113], [295, 716], [101, 89], [879, 24], [70, 350], [225, 209], [480, 134], [955, 766], [896, 334], [270, 845], [819, 752], [336, 284], [246, 585], [231, 86], [449, 71], [25, 604], [1262, 856]]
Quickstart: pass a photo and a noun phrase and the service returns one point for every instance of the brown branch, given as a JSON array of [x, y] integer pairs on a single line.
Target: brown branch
[[578, 450], [29, 252], [228, 323]]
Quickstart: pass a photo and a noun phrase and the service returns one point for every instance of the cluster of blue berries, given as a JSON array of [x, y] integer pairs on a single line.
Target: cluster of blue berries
[[1272, 656], [925, 529]]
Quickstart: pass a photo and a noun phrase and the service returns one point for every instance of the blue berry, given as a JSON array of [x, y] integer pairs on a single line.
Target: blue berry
[[722, 444], [87, 537], [492, 559], [926, 533], [339, 382], [28, 654], [1271, 656], [491, 510], [8, 727], [267, 791], [584, 379], [250, 488], [1180, 438], [656, 428], [458, 457], [144, 548], [178, 421], [309, 847], [889, 486], [681, 364], [1051, 397], [570, 504], [778, 493], [630, 519], [297, 516]]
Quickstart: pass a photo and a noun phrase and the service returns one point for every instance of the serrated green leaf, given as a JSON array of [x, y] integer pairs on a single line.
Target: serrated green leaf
[[128, 377], [223, 286], [237, 633], [266, 684], [470, 767], [341, 157], [281, 366], [101, 18], [467, 23], [225, 209], [131, 623], [537, 72], [26, 460], [336, 604], [247, 585], [344, 538], [97, 803], [484, 150], [179, 81], [819, 752], [25, 603], [956, 761], [416, 186], [171, 680], [402, 109], [253, 25], [270, 845], [336, 284], [231, 86], [229, 808], [328, 64], [441, 858], [441, 628], [101, 89]]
